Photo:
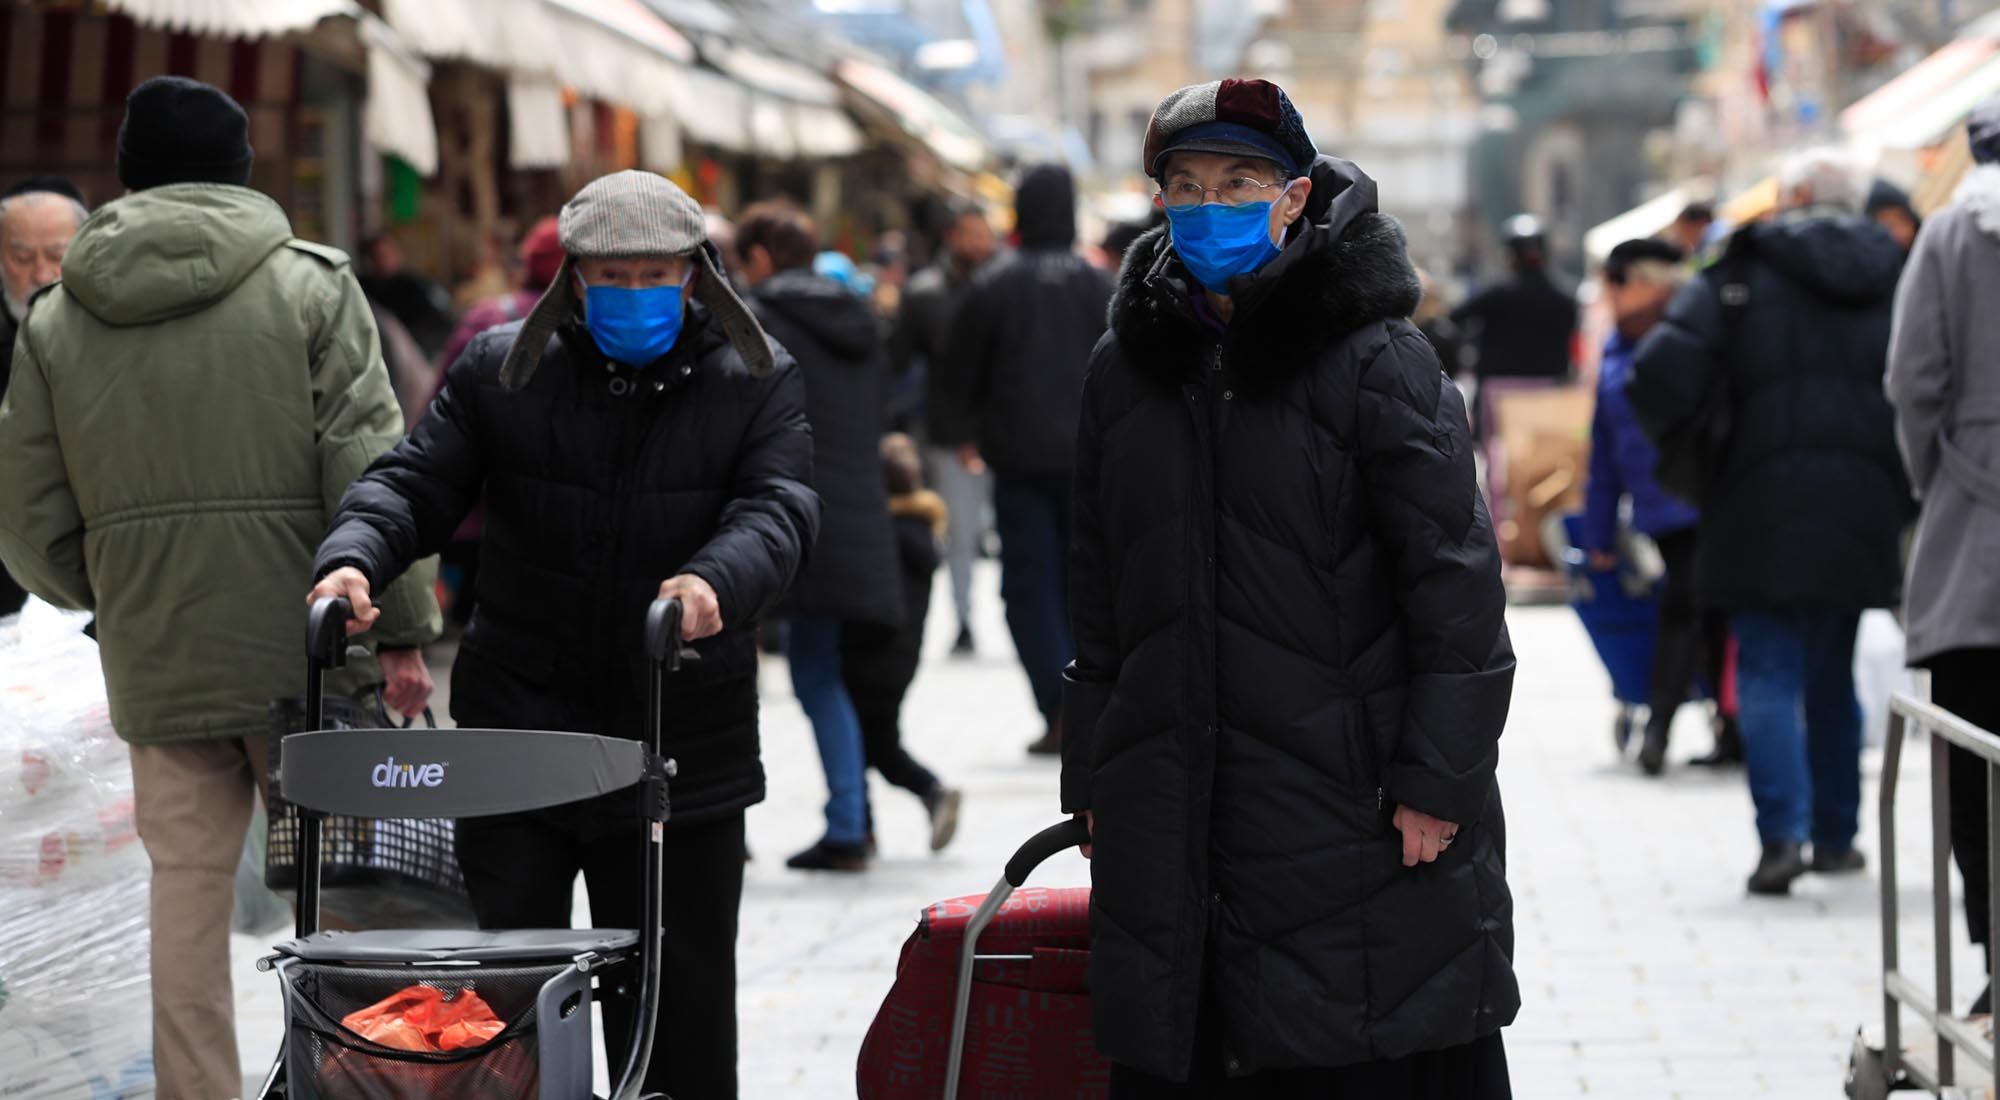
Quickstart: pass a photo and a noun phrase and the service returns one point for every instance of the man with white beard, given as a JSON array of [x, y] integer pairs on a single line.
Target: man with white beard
[[36, 224]]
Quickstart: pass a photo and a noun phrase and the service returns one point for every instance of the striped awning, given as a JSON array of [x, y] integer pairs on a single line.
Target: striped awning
[[233, 18], [1881, 113], [917, 112], [614, 50], [396, 118], [537, 124]]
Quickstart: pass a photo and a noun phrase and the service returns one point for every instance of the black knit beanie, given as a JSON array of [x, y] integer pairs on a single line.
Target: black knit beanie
[[178, 130]]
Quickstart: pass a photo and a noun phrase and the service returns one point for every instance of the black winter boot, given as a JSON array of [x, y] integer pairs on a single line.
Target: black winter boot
[[1780, 865]]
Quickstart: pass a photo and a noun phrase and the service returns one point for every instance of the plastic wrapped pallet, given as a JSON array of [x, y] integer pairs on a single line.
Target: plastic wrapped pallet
[[75, 1014]]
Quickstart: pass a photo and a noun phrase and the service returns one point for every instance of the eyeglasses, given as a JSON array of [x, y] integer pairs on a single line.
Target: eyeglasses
[[1235, 192]]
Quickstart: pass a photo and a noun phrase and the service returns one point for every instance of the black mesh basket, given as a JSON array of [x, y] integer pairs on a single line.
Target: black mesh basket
[[544, 1051], [374, 872]]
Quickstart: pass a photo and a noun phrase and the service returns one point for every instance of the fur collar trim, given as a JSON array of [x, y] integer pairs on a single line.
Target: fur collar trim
[[922, 504], [1979, 192], [1330, 281]]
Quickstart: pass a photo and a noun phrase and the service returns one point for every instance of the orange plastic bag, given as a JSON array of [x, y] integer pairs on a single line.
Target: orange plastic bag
[[419, 1018]]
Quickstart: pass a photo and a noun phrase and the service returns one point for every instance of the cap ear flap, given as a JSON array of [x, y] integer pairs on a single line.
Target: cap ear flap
[[554, 307], [745, 334]]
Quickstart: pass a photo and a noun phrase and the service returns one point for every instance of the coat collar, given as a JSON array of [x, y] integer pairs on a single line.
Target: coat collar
[[1349, 267]]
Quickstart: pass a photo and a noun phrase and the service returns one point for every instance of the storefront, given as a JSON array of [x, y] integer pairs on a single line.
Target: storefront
[[317, 77]]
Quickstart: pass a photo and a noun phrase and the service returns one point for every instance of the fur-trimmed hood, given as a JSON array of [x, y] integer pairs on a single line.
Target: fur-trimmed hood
[[1980, 193], [1345, 267]]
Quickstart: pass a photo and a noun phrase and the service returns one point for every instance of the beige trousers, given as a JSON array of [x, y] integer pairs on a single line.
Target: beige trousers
[[193, 803]]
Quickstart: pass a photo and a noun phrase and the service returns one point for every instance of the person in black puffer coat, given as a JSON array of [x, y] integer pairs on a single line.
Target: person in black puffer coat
[[1801, 527], [851, 577], [649, 433], [1018, 352], [1292, 660]]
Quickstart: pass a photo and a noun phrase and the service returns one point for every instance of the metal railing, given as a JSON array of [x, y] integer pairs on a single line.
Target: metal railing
[[1906, 714]]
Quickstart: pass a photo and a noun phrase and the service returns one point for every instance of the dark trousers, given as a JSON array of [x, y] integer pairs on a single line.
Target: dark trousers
[[1690, 640], [1032, 514], [878, 663], [1966, 682], [1475, 1071], [521, 871]]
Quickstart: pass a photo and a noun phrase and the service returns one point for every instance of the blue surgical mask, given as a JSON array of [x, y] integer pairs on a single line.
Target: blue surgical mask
[[1218, 242], [634, 326]]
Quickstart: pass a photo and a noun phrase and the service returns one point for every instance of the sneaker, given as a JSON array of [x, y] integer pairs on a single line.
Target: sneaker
[[943, 806], [828, 856], [1776, 870], [964, 647], [1838, 863]]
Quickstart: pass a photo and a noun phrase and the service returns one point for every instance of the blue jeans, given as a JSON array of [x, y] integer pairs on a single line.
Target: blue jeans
[[1801, 724], [813, 646], [1032, 514]]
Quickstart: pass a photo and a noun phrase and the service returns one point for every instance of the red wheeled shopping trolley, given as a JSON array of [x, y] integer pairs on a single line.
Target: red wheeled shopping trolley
[[990, 998]]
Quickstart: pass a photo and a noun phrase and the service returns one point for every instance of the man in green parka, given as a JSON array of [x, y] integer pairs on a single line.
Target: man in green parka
[[187, 406]]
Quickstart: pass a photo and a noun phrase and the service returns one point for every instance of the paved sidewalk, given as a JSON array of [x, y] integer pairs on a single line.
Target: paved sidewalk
[[1646, 970]]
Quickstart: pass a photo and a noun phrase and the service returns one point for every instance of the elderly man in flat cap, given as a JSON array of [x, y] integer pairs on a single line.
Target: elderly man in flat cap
[[635, 436]]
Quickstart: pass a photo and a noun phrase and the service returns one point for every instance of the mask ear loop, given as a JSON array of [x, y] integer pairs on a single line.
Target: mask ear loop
[[1293, 224]]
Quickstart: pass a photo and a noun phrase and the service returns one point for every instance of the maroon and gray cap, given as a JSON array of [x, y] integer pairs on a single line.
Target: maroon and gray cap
[[1252, 118], [627, 215]]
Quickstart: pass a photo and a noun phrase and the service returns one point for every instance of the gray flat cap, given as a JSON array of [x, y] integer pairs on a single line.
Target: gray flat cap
[[623, 216]]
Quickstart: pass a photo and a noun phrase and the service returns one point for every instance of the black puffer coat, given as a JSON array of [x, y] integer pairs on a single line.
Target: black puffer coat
[[1289, 620], [600, 482], [1021, 341], [851, 574], [1810, 503]]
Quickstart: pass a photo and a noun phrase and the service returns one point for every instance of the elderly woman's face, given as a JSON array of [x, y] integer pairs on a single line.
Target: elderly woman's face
[[636, 274]]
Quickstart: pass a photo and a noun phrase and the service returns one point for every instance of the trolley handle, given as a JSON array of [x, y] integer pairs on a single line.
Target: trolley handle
[[326, 631], [1073, 833]]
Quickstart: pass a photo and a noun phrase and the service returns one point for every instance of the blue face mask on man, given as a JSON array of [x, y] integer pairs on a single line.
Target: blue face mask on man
[[1218, 242], [634, 325]]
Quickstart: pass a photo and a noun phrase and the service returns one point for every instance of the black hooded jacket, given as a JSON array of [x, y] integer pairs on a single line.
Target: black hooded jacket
[[1809, 505], [851, 574], [599, 483], [1521, 327], [1289, 620], [1023, 336]]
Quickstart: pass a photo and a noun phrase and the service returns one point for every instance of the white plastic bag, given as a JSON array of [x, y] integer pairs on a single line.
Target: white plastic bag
[[75, 1018], [1879, 672]]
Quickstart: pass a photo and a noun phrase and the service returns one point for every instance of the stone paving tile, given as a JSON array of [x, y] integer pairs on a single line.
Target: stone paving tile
[[1646, 971]]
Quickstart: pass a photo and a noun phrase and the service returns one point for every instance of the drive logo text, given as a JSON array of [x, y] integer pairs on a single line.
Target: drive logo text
[[391, 774]]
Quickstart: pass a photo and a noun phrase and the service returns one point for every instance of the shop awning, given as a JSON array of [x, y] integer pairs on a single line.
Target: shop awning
[[537, 124], [771, 129], [396, 117], [918, 113], [233, 18], [660, 144], [1883, 114], [1931, 121], [1643, 220], [785, 79], [825, 132], [718, 111], [614, 50]]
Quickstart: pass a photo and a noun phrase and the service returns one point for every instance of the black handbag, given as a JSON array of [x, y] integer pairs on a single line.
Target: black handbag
[[1693, 453], [375, 872]]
